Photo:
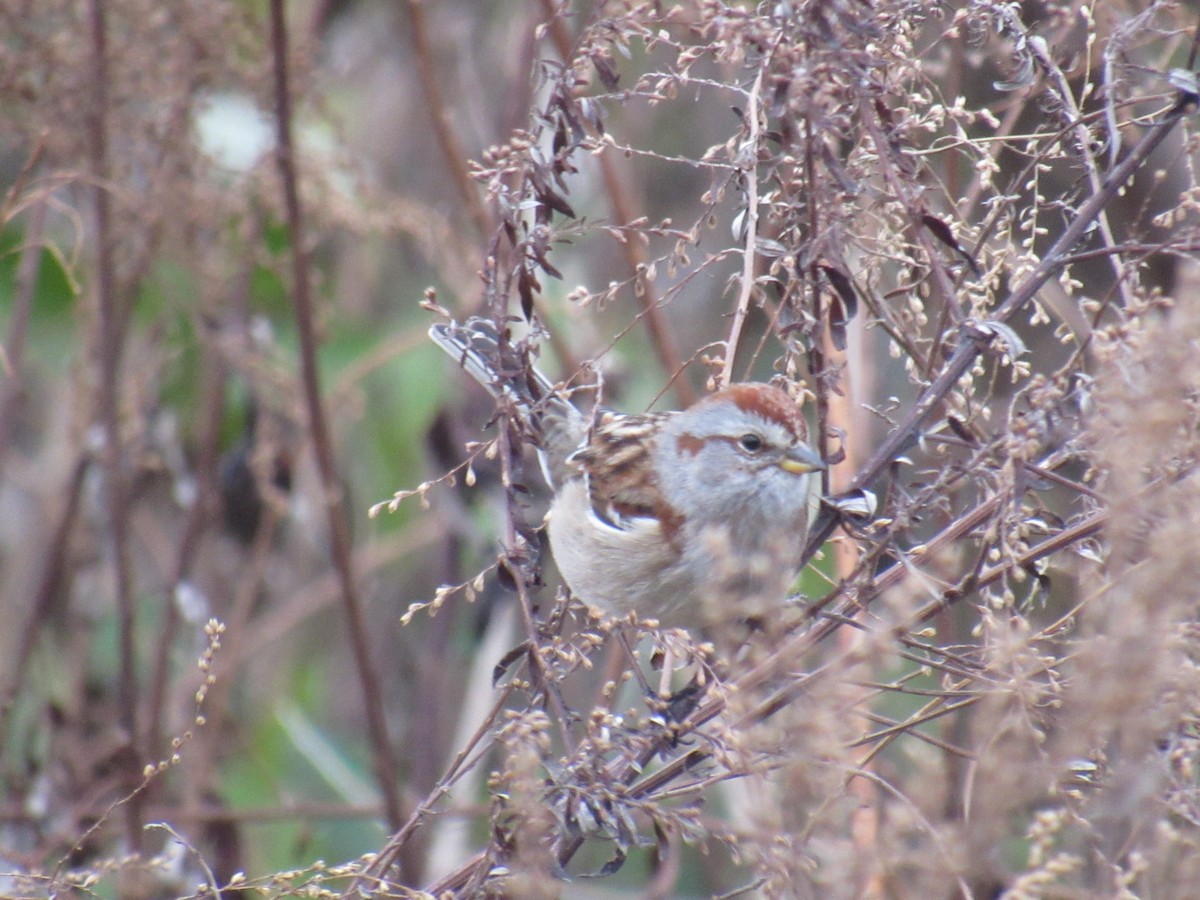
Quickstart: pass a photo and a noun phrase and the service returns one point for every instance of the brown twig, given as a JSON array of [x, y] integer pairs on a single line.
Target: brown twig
[[111, 339], [750, 240], [378, 868], [335, 509], [1071, 535], [969, 348], [452, 152], [625, 211]]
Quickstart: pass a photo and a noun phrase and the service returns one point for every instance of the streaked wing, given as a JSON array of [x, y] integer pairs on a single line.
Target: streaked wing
[[615, 461]]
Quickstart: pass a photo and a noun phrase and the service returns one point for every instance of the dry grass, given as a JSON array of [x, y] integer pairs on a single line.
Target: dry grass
[[967, 234]]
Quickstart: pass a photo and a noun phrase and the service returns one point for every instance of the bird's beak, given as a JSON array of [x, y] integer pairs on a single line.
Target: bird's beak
[[800, 460]]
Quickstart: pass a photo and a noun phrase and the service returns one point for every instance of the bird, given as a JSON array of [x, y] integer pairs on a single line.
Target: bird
[[688, 518]]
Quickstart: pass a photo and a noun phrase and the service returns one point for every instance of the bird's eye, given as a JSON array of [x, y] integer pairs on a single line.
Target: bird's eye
[[751, 443]]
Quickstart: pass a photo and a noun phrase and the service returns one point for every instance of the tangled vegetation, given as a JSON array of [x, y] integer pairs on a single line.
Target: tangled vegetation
[[965, 233]]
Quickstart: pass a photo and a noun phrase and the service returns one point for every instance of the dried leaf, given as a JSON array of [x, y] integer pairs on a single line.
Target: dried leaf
[[989, 332], [525, 286], [611, 867], [506, 662], [554, 201], [505, 576], [606, 70], [845, 305], [945, 234], [961, 431], [860, 504]]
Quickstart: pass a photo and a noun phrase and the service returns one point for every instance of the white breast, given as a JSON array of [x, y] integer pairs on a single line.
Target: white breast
[[617, 569]]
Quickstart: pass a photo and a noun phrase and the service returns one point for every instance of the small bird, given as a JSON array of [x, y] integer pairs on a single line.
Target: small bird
[[690, 518]]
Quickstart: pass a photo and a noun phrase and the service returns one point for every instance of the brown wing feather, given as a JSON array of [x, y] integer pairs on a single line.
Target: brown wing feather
[[618, 472]]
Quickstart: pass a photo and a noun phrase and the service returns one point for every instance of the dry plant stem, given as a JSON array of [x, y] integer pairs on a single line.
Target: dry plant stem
[[110, 341], [991, 221], [750, 173], [964, 524], [923, 655], [948, 597], [622, 205], [972, 581], [335, 510], [519, 104], [968, 349], [818, 359], [1087, 159], [944, 705], [219, 709], [439, 111], [9, 207], [544, 681], [865, 827], [994, 148], [624, 211], [1065, 538], [1038, 470], [205, 813], [796, 647], [901, 188], [931, 712], [881, 314], [963, 887], [459, 878], [387, 857], [928, 655], [884, 739]]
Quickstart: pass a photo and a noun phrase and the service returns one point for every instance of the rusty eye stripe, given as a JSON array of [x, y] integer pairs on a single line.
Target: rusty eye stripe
[[691, 444]]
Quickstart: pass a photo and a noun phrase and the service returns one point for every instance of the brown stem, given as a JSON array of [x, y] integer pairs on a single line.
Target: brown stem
[[339, 529], [969, 349], [387, 857], [1065, 538], [749, 251], [111, 340], [625, 211], [902, 188], [452, 149]]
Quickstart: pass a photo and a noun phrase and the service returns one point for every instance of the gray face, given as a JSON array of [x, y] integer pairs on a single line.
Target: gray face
[[737, 473]]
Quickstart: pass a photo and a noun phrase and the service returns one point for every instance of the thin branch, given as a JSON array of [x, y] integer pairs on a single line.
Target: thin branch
[[452, 152], [923, 411], [936, 709], [1075, 122], [749, 149], [1065, 538], [388, 856], [335, 508], [111, 339], [625, 212]]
